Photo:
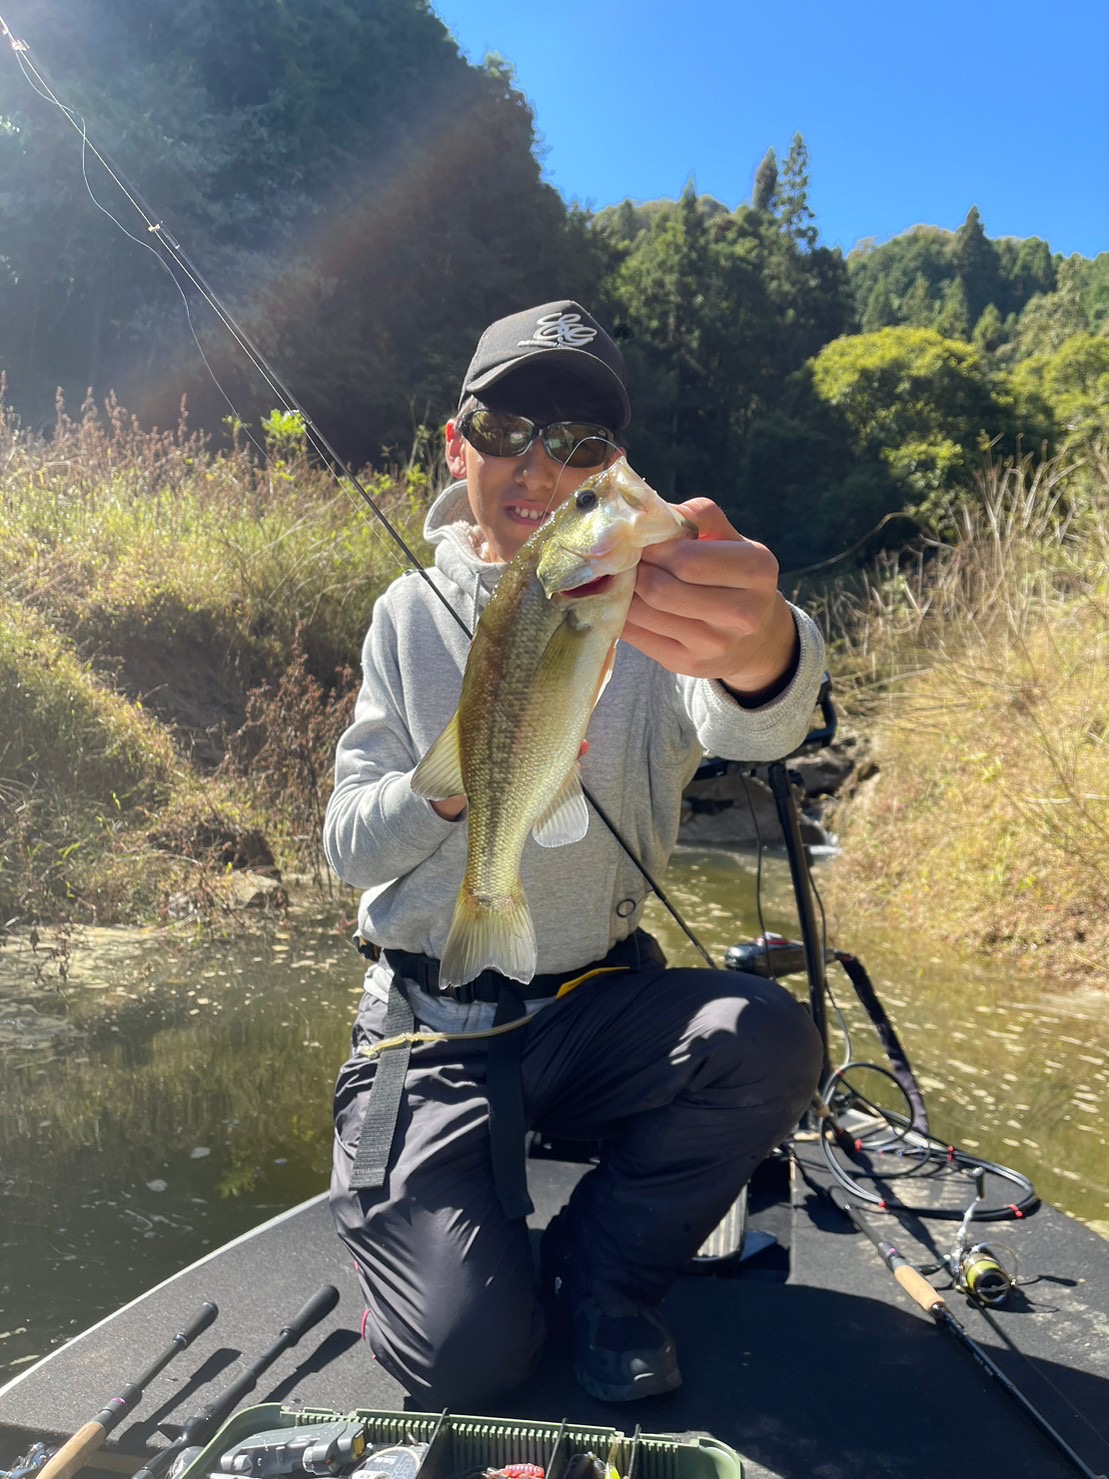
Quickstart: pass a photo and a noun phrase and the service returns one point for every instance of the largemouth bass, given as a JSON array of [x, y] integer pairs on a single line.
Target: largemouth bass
[[539, 660]]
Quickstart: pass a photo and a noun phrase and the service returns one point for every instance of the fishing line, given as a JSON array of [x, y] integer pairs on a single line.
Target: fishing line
[[336, 464], [172, 248]]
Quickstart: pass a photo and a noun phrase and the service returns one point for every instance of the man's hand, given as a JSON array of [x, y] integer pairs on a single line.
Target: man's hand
[[711, 608]]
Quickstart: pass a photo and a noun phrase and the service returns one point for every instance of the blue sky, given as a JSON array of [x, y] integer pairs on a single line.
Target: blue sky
[[911, 112]]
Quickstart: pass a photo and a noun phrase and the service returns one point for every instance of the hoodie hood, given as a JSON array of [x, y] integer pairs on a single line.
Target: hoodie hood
[[449, 527], [450, 509]]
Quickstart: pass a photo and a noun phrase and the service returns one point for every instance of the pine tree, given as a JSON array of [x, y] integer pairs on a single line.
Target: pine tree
[[766, 182], [918, 306], [976, 263], [791, 197]]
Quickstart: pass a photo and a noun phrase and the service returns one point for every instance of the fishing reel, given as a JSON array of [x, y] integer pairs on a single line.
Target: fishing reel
[[977, 1271], [979, 1274]]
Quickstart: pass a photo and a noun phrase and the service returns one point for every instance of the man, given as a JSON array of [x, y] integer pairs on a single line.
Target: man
[[687, 1077]]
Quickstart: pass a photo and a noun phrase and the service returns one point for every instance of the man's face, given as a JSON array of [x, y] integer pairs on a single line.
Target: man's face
[[509, 496]]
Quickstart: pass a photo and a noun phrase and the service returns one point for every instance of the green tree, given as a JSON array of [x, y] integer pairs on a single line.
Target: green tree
[[989, 331], [717, 309], [952, 316], [1073, 383], [918, 307], [766, 182], [916, 402], [790, 199], [880, 312], [1050, 319], [977, 265], [1027, 268]]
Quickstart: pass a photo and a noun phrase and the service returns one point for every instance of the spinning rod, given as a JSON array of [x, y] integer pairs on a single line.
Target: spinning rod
[[932, 1302]]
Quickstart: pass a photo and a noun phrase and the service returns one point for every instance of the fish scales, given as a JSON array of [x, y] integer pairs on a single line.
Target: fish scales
[[537, 665]]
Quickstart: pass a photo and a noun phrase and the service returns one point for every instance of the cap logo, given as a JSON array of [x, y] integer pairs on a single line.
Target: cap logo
[[559, 331]]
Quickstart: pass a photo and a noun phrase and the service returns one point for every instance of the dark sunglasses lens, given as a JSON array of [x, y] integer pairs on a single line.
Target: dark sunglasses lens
[[496, 434], [578, 443]]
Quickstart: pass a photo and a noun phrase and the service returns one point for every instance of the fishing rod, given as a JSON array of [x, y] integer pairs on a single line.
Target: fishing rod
[[917, 1287], [76, 1450], [340, 469], [198, 1429]]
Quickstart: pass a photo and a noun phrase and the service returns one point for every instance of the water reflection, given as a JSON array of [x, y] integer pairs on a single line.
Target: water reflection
[[1009, 1072], [171, 1098]]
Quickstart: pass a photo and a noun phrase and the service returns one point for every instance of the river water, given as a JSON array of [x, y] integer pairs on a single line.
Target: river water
[[171, 1094]]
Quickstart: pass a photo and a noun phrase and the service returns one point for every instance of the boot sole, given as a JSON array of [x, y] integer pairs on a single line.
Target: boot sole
[[651, 1384]]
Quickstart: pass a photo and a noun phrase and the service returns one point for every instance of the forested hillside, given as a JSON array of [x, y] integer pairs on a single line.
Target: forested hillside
[[366, 200]]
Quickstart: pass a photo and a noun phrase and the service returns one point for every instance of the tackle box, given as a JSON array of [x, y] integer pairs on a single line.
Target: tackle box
[[463, 1447]]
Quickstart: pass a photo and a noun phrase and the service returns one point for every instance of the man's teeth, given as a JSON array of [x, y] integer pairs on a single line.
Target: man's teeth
[[536, 515]]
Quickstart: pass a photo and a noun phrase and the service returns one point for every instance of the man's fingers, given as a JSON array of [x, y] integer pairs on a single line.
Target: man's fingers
[[711, 520], [726, 564]]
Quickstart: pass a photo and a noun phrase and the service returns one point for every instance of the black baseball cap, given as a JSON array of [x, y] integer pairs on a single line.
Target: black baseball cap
[[563, 334]]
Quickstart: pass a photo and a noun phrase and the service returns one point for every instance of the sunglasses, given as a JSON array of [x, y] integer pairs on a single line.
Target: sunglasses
[[573, 443]]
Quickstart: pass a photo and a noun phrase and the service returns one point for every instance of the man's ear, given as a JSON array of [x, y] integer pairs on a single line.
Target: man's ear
[[456, 450]]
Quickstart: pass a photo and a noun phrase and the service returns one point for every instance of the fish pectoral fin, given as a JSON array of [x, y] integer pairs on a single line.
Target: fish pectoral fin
[[567, 817], [439, 773], [606, 674]]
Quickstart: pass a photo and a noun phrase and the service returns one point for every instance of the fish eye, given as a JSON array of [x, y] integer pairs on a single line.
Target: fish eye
[[587, 499]]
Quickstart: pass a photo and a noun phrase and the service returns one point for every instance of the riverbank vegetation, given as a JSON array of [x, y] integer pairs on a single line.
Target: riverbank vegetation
[[913, 428], [979, 670], [176, 632], [181, 627]]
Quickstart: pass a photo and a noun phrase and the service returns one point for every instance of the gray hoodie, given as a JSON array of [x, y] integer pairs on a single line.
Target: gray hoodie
[[646, 738]]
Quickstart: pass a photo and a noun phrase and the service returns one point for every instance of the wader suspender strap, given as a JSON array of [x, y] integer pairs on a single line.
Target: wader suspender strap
[[380, 1122], [505, 1090]]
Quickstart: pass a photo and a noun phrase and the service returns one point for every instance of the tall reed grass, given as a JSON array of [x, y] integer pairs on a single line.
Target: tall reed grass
[[980, 669]]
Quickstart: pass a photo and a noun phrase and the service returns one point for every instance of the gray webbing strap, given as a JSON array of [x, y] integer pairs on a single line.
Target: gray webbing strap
[[380, 1122], [507, 1127]]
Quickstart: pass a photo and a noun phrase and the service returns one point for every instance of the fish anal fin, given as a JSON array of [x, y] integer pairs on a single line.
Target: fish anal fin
[[567, 817], [439, 773], [489, 933]]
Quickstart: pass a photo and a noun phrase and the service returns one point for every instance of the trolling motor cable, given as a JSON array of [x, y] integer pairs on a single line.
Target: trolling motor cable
[[927, 1156], [336, 464]]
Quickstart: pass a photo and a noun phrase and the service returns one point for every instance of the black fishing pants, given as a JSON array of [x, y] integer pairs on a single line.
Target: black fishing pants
[[690, 1077]]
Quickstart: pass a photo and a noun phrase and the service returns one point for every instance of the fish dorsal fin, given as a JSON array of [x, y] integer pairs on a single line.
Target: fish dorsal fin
[[567, 818], [439, 773]]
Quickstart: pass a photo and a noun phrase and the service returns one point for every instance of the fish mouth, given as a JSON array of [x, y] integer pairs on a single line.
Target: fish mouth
[[592, 587]]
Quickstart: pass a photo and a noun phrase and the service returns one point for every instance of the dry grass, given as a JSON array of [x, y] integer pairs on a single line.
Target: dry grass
[[156, 594], [981, 672]]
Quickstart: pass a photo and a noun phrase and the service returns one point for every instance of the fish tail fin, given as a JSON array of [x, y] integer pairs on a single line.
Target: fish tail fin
[[489, 932]]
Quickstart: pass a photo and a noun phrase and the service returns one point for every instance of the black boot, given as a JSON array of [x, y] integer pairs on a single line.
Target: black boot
[[622, 1348]]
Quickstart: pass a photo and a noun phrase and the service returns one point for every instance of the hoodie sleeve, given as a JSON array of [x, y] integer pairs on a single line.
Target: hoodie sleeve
[[376, 829], [726, 728]]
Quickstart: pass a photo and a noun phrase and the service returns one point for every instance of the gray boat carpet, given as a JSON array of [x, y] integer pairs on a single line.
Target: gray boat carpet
[[830, 1373]]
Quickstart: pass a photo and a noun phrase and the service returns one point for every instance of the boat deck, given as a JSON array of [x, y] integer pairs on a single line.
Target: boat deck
[[806, 1358]]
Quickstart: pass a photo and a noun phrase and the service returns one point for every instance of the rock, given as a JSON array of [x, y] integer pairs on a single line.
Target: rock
[[825, 772], [248, 890], [736, 810], [717, 809]]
